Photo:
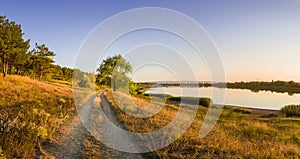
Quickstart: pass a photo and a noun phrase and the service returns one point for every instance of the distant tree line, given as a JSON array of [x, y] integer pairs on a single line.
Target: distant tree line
[[16, 58], [290, 87]]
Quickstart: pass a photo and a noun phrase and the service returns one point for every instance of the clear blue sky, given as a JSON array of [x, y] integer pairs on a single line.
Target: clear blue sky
[[256, 39]]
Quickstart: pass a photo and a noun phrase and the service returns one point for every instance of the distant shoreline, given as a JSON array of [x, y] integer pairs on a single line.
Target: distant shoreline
[[255, 110], [289, 87]]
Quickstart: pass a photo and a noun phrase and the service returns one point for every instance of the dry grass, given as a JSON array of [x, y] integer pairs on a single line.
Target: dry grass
[[238, 133], [30, 112]]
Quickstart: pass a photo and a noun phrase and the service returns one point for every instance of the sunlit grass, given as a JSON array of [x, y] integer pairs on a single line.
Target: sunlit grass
[[30, 112], [239, 133]]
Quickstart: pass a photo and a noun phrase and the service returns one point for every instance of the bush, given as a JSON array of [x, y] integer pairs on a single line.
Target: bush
[[42, 132], [205, 102], [291, 110], [133, 88]]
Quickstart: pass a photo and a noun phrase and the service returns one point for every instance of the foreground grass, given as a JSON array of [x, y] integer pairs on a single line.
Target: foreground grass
[[239, 133], [30, 112]]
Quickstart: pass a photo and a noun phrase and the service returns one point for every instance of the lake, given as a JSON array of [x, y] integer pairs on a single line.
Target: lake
[[234, 97]]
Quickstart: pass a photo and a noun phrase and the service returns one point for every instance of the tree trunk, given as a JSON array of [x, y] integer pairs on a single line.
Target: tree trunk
[[41, 76], [18, 69], [114, 84], [5, 67]]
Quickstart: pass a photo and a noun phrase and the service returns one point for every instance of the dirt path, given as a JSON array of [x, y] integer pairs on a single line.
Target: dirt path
[[74, 141], [68, 141], [118, 138]]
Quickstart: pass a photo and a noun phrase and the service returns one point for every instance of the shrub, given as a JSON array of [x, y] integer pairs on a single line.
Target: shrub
[[291, 110], [42, 132], [133, 88], [206, 102]]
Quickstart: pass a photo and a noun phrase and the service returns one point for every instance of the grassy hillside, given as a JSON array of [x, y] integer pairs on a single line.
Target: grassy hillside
[[30, 112], [239, 133]]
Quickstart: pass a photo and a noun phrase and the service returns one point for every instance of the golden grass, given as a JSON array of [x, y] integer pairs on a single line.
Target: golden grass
[[238, 133], [30, 112]]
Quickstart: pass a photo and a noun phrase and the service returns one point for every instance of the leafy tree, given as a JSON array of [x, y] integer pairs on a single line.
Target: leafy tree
[[77, 75], [113, 71], [85, 81], [12, 45]]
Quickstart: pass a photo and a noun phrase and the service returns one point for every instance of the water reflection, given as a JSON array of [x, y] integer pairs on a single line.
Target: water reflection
[[237, 97]]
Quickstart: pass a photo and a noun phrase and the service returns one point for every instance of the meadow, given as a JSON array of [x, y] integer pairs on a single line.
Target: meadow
[[30, 112], [239, 133]]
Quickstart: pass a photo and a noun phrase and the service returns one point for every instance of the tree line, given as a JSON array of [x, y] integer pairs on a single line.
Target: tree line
[[290, 87], [17, 58]]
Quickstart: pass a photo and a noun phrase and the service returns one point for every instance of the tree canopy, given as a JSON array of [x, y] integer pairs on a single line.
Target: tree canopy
[[41, 60], [113, 71]]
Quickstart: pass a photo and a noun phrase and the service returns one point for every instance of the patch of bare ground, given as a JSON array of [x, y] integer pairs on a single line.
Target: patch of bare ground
[[67, 142]]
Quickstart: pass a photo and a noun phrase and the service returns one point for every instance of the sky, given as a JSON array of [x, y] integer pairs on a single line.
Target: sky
[[257, 40]]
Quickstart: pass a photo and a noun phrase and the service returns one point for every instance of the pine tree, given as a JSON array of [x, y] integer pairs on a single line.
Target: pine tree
[[12, 45]]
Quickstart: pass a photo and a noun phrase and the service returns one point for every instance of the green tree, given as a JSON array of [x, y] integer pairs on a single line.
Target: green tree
[[12, 45], [67, 73], [41, 60], [19, 61], [61, 73], [86, 81], [113, 71], [57, 72]]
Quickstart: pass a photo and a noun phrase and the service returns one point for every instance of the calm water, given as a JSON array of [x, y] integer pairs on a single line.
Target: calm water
[[235, 97]]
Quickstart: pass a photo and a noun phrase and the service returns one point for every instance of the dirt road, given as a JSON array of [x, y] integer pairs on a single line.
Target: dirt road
[[78, 138]]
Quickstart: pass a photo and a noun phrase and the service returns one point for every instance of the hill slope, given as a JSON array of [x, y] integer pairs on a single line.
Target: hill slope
[[30, 112]]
